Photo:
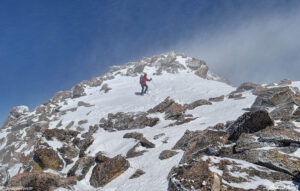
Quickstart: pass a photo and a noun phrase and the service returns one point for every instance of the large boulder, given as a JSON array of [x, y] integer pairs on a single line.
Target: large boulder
[[46, 158], [124, 121], [68, 152], [108, 170], [249, 122], [270, 97], [216, 173], [246, 86], [135, 152], [36, 181], [217, 99], [60, 134], [139, 136], [283, 111], [165, 154], [81, 167], [202, 71]]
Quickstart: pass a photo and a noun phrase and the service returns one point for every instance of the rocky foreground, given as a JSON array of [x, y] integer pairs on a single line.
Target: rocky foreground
[[257, 151]]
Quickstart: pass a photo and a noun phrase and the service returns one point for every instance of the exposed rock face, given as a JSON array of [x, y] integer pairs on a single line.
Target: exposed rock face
[[215, 173], [108, 170], [167, 154], [81, 167], [68, 153], [283, 112], [207, 141], [78, 91], [197, 103], [183, 142], [133, 153], [174, 111], [19, 111], [138, 136], [4, 176], [84, 104], [60, 134], [235, 96], [163, 106], [271, 97], [202, 72], [249, 122], [247, 86], [285, 82], [217, 99], [83, 144], [137, 174], [47, 158], [61, 96], [124, 121], [105, 88], [37, 181]]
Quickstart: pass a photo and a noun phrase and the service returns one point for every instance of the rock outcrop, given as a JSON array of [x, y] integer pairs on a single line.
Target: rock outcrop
[[107, 170]]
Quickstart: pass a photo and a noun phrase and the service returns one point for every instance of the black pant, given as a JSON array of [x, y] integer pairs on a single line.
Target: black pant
[[144, 86]]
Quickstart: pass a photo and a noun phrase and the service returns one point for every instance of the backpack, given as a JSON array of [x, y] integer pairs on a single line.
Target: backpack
[[141, 78]]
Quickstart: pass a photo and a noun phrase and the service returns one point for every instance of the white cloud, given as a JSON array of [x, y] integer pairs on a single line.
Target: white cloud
[[264, 49]]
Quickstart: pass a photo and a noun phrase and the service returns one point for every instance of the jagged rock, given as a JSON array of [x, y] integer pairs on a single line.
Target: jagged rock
[[70, 125], [195, 64], [81, 122], [84, 104], [246, 86], [133, 153], [215, 173], [134, 135], [19, 111], [68, 152], [273, 159], [249, 122], [108, 170], [207, 141], [285, 82], [217, 99], [181, 120], [61, 96], [270, 97], [174, 111], [138, 136], [283, 111], [4, 175], [137, 174], [158, 136], [47, 158], [105, 88], [124, 121], [296, 115], [40, 126], [236, 96], [81, 167], [78, 91], [99, 158], [250, 141], [95, 82], [197, 103], [167, 154], [83, 144], [37, 181], [183, 142], [163, 106], [202, 72], [60, 134]]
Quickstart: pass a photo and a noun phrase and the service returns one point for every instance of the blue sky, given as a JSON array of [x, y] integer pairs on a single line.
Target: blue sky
[[48, 46]]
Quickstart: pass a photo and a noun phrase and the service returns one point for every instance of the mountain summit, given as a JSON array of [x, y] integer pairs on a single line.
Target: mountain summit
[[191, 131]]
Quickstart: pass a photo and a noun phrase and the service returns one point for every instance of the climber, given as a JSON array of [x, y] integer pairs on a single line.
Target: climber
[[143, 80]]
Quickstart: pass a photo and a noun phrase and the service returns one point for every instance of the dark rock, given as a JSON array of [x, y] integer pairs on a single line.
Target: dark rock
[[70, 125], [37, 181], [247, 86], [163, 106], [283, 111], [47, 158], [285, 82], [19, 111], [133, 153], [100, 158], [108, 170], [158, 136], [202, 72], [84, 104], [60, 134], [124, 121], [249, 122], [61, 96], [78, 91], [183, 142], [105, 88], [134, 135], [68, 152], [174, 111], [137, 174], [236, 96], [167, 154], [81, 167], [83, 144], [4, 175], [197, 103], [217, 99], [81, 122]]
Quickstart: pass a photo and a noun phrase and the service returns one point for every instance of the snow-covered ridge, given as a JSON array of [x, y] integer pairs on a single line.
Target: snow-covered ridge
[[70, 129]]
